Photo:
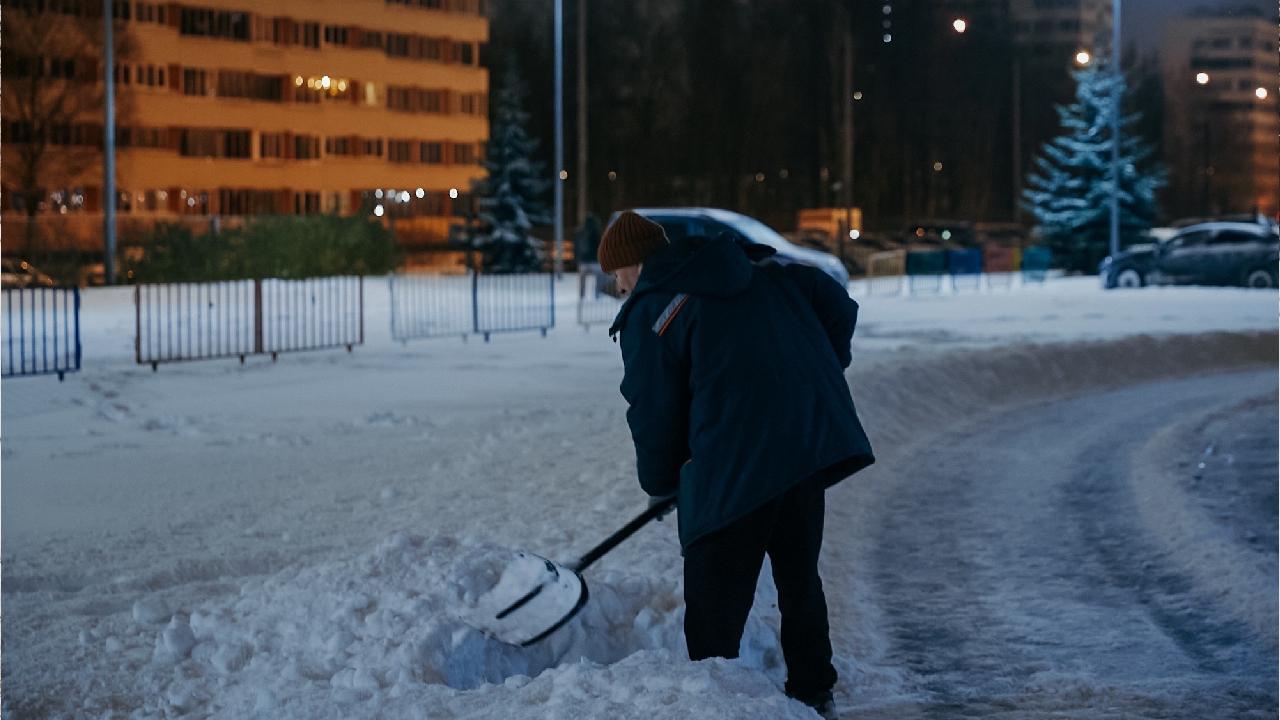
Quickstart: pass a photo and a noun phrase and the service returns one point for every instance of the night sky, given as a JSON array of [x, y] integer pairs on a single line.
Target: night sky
[[1144, 19]]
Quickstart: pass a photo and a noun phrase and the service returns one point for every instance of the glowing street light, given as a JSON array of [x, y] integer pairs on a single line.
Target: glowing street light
[[1083, 58], [420, 192], [377, 210], [453, 193], [1261, 93], [854, 234], [960, 25], [1202, 78]]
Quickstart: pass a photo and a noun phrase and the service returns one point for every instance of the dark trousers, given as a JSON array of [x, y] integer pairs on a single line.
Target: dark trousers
[[720, 574]]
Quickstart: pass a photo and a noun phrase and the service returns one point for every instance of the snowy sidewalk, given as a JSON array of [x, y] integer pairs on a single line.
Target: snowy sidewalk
[[292, 539]]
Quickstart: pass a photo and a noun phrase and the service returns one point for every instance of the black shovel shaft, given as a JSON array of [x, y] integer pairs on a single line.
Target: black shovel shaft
[[627, 531]]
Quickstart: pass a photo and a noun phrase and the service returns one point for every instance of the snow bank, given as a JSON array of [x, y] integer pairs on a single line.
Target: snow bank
[[390, 631], [915, 391], [1201, 540]]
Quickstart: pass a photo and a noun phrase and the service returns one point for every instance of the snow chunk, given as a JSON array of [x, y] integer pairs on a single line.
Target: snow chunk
[[151, 610]]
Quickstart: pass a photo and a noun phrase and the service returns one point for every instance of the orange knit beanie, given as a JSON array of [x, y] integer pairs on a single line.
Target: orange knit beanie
[[628, 240]]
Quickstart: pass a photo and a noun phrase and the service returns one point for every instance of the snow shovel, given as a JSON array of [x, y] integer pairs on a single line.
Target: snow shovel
[[547, 594]]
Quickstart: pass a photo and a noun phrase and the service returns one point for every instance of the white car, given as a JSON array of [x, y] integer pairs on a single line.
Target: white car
[[711, 222]]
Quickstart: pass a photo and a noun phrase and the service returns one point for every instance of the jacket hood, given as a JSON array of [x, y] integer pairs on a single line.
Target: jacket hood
[[719, 267]]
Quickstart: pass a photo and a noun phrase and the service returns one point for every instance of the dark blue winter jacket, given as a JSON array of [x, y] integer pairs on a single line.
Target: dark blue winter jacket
[[734, 372]]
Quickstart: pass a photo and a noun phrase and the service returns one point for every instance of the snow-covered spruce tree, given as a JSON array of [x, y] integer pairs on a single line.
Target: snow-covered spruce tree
[[1070, 193], [510, 197]]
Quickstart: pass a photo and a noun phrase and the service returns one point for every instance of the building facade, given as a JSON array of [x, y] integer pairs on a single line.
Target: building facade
[[231, 109], [1222, 114], [1055, 30]]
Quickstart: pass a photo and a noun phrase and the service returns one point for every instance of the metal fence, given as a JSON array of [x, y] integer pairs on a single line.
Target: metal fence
[[510, 303], [885, 271], [965, 267], [424, 306], [310, 314], [177, 322], [1000, 263], [42, 331], [1035, 263], [595, 305], [925, 269]]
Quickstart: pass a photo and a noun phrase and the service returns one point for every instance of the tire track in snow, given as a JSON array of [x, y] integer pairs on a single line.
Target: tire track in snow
[[1015, 576]]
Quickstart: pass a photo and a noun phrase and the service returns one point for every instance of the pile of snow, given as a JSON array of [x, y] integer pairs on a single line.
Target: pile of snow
[[394, 629]]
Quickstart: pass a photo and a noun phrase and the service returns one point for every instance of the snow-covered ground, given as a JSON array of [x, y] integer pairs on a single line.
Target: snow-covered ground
[[303, 539]]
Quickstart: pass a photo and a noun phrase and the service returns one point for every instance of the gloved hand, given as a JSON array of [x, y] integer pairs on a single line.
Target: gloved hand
[[658, 500]]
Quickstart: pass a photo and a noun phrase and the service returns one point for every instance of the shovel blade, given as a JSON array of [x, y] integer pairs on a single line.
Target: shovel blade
[[533, 598]]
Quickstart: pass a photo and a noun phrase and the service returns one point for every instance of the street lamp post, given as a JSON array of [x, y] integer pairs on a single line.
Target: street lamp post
[[1115, 127], [558, 179]]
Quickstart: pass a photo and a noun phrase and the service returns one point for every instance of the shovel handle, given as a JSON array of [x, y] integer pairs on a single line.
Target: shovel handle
[[627, 531]]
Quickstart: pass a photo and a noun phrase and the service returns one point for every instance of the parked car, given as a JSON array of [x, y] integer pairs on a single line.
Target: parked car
[[21, 274], [686, 222], [1213, 253]]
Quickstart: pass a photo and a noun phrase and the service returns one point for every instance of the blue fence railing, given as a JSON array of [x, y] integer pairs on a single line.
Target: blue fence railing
[[426, 306], [965, 267], [1035, 263], [42, 331], [178, 322], [925, 269]]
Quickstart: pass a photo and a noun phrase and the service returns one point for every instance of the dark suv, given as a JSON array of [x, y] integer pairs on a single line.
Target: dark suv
[[1214, 253]]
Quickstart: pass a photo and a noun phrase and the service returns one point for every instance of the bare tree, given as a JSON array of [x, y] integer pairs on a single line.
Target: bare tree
[[51, 101]]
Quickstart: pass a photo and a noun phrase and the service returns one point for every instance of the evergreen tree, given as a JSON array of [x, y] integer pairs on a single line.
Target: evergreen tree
[[510, 197], [1070, 191]]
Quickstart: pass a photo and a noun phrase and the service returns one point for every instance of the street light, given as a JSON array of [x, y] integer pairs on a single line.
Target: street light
[[1083, 58], [1261, 93], [1202, 78], [960, 25]]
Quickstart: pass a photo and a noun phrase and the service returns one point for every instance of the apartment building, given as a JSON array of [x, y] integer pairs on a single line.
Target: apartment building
[[1222, 112], [231, 108], [1054, 31]]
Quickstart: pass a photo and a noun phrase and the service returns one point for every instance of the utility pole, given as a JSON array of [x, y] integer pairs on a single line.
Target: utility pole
[[559, 120], [846, 101], [1117, 80], [1017, 135], [582, 112], [109, 144]]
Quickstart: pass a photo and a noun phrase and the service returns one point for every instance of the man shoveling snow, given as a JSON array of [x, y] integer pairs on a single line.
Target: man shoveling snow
[[734, 373]]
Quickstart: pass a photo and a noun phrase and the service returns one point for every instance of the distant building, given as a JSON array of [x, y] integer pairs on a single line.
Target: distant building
[[233, 108], [1222, 113], [1054, 31]]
